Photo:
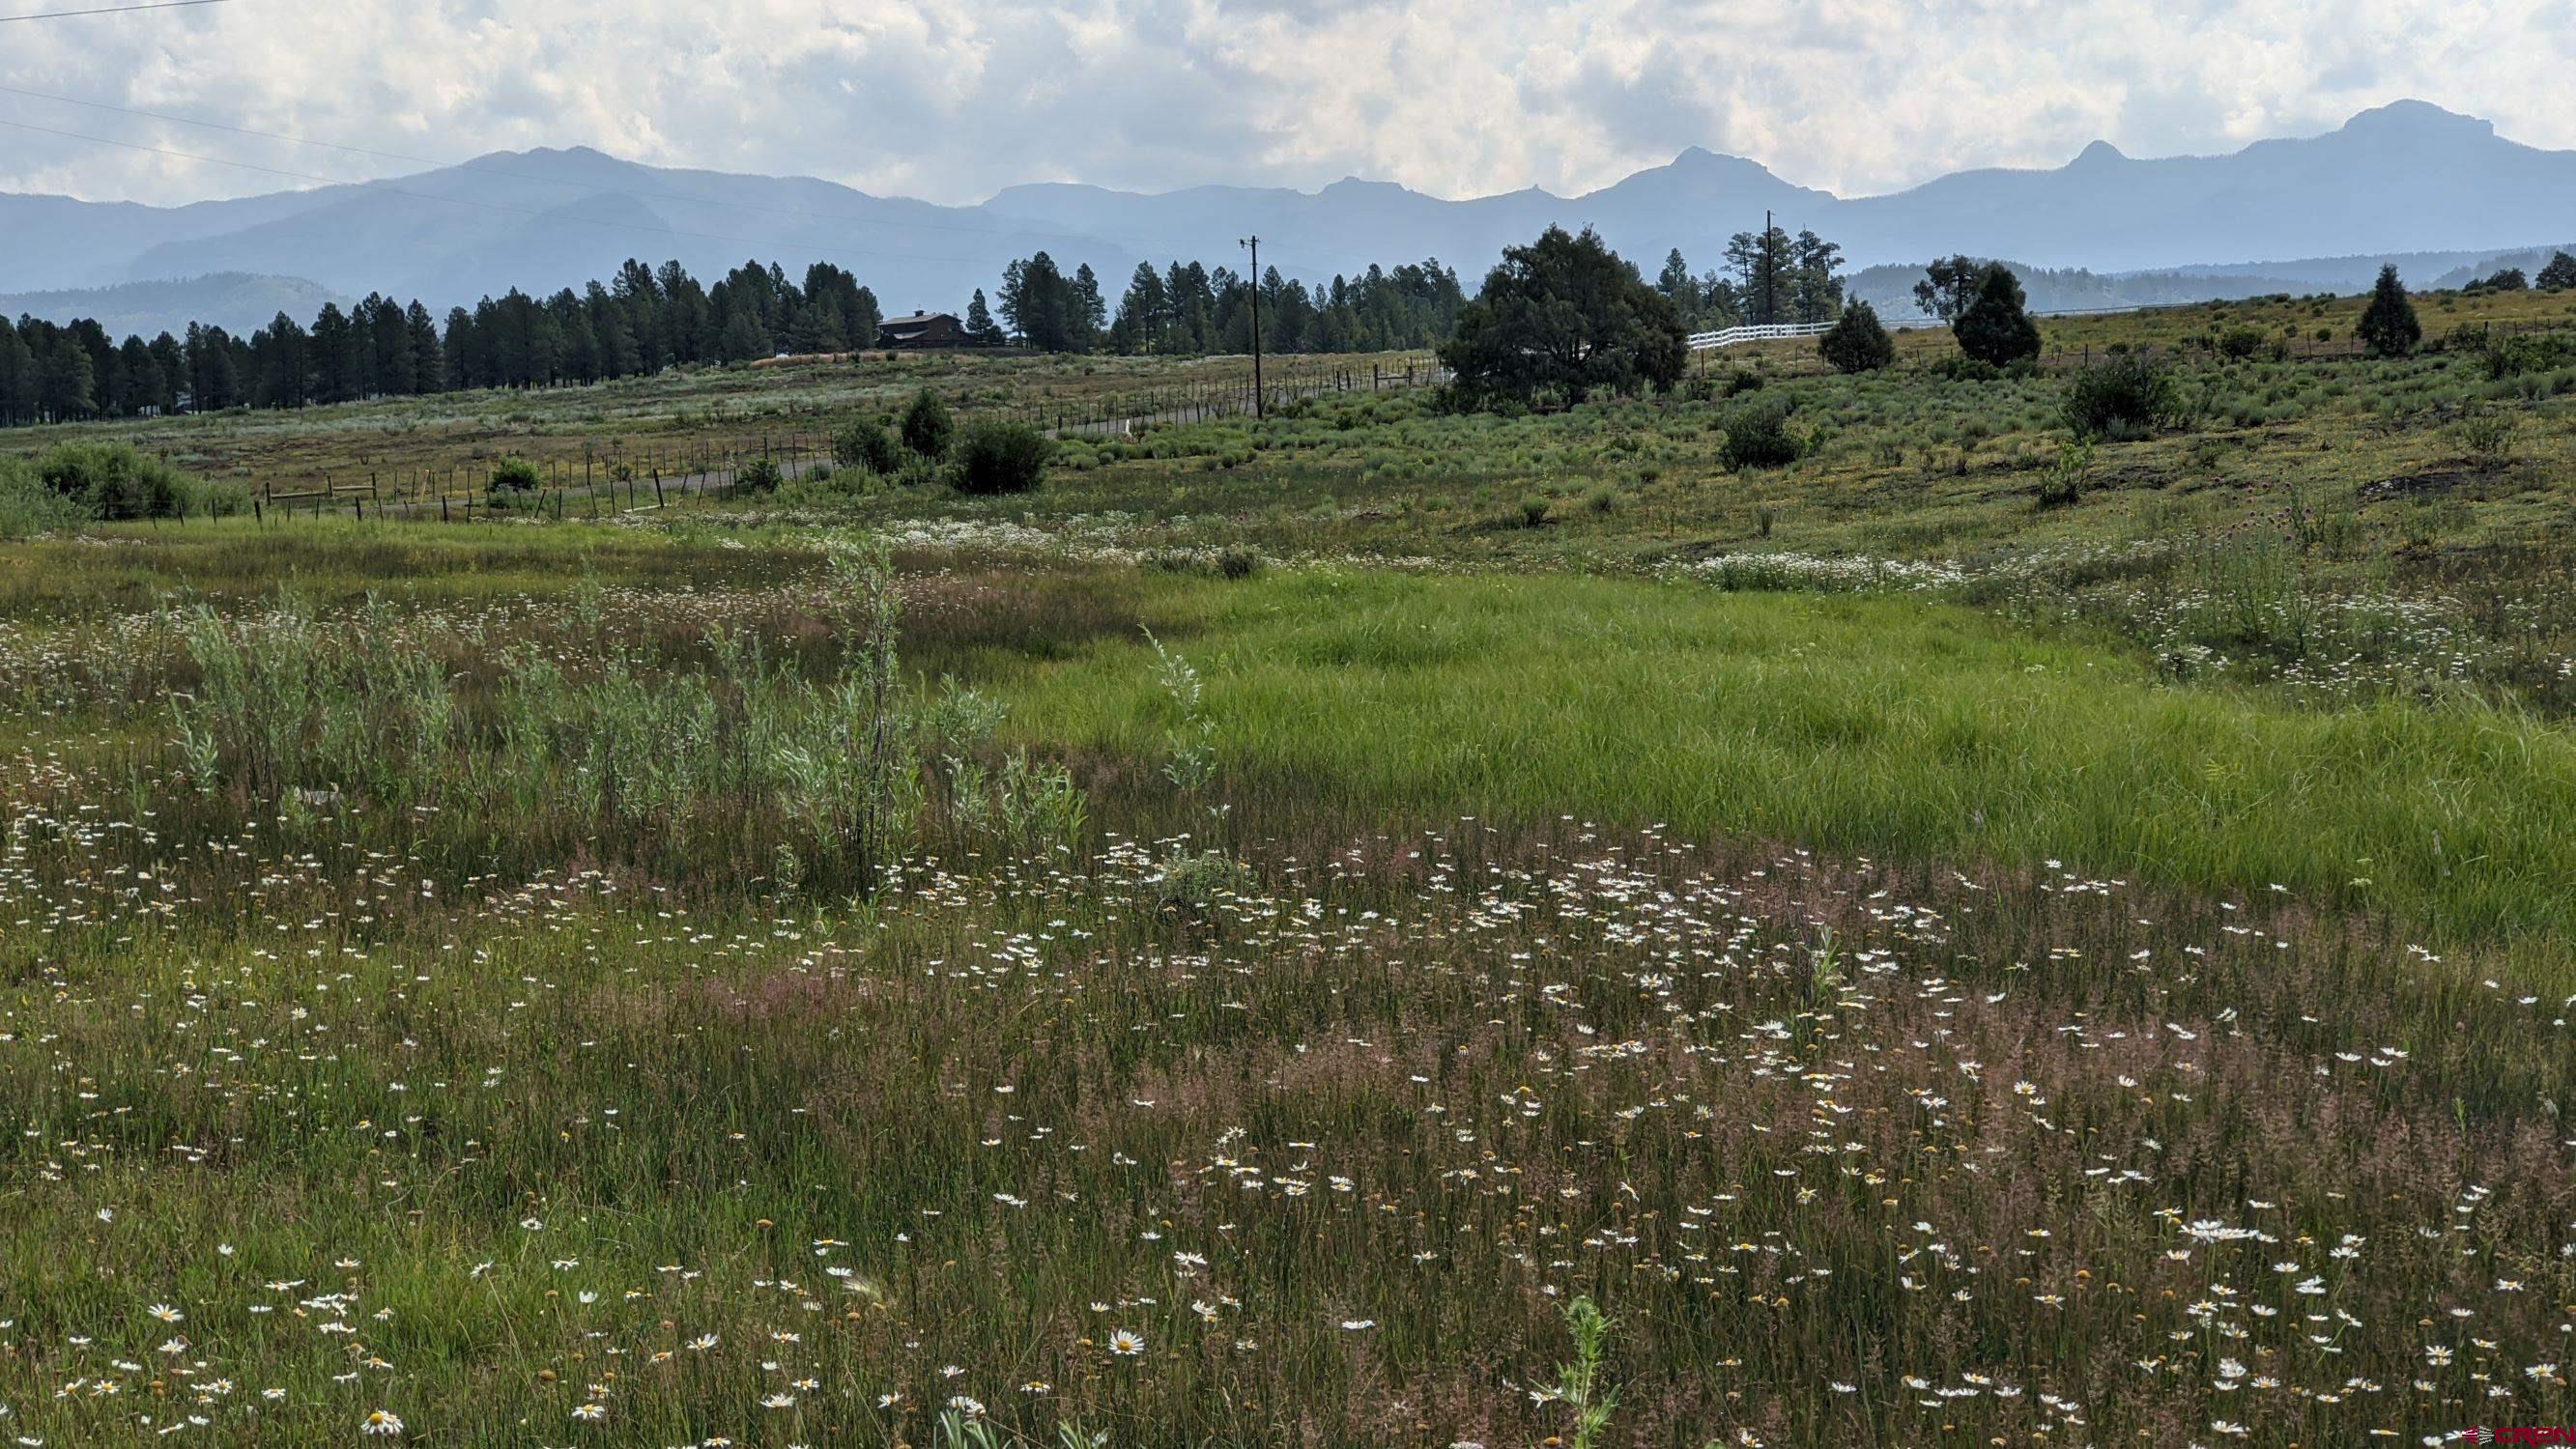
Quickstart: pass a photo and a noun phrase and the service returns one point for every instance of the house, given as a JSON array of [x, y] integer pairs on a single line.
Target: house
[[923, 329]]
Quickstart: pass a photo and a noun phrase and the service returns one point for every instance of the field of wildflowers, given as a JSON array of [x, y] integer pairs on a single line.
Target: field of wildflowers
[[1375, 927], [448, 1019]]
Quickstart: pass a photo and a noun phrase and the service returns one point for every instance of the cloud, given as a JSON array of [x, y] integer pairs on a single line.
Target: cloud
[[1457, 97]]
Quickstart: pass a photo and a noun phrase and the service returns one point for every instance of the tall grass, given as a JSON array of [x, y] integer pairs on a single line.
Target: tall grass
[[1855, 724]]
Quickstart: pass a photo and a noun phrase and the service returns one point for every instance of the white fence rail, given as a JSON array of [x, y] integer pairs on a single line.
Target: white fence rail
[[1732, 336]]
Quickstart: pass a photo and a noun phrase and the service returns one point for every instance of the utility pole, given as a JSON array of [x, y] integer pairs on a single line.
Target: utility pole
[[1770, 271], [1255, 244]]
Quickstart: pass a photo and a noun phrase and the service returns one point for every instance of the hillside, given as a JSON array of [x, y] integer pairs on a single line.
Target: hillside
[[238, 302]]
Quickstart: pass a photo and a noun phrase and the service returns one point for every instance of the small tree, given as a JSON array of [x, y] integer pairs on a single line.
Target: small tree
[[1996, 328], [2388, 326], [980, 324], [2559, 275], [1949, 284], [1857, 343], [1001, 457], [927, 427], [866, 444]]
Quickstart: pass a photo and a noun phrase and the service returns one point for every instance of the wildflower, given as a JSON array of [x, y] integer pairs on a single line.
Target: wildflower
[[165, 1313], [591, 1411], [382, 1421], [1126, 1343]]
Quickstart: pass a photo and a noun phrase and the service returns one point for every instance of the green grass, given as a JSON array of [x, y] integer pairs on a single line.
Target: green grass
[[1861, 976], [1851, 724]]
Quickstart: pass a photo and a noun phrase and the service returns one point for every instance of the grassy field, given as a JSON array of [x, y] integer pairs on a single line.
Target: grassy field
[[1245, 945]]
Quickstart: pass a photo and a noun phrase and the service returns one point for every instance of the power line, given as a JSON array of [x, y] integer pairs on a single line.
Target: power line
[[110, 10], [383, 188], [841, 217]]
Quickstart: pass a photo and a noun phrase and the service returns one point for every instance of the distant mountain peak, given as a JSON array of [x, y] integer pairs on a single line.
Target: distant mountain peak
[[2100, 153], [2416, 118]]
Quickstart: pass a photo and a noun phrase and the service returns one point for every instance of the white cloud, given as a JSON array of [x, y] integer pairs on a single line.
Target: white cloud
[[1455, 97]]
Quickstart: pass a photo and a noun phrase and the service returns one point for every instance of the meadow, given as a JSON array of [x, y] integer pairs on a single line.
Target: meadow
[[1368, 927]]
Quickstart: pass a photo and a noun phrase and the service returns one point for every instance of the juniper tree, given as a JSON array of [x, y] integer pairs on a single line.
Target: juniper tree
[[2388, 326]]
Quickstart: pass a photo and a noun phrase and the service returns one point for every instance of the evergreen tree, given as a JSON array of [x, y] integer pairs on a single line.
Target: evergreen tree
[[68, 380], [1949, 284], [1142, 313], [1762, 265], [1565, 314], [18, 388], [1996, 327], [980, 325], [1679, 288], [2559, 275], [2388, 325], [1857, 342]]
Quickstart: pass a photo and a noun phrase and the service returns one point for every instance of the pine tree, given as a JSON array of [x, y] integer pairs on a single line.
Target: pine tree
[[1857, 342], [980, 324], [2559, 275], [1996, 327], [2388, 325]]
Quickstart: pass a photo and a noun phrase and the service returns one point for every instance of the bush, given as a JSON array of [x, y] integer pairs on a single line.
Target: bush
[[760, 475], [2530, 352], [2240, 342], [28, 507], [2063, 483], [1857, 343], [1000, 457], [1758, 436], [2121, 395], [2486, 436], [1533, 511], [516, 475], [112, 481], [927, 427], [866, 444]]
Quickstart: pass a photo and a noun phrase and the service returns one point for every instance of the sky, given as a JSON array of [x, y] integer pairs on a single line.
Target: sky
[[953, 101]]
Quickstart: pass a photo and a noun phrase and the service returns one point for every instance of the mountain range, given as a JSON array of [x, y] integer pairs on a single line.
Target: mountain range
[[2404, 179]]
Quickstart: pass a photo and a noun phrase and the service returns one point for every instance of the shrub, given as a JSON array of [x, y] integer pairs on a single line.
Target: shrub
[[2127, 394], [1533, 511], [760, 475], [1857, 343], [1742, 380], [2486, 435], [928, 428], [2530, 352], [516, 475], [1758, 436], [2063, 484], [999, 457], [866, 444], [28, 507], [2240, 342], [112, 481]]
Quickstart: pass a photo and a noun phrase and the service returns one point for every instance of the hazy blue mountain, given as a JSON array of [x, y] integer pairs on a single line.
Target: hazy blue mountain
[[235, 301], [2407, 179]]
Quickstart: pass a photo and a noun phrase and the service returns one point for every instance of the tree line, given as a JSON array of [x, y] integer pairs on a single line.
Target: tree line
[[640, 321], [1770, 277], [1191, 309]]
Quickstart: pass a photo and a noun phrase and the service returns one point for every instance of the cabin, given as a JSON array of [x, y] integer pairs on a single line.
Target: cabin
[[923, 329]]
